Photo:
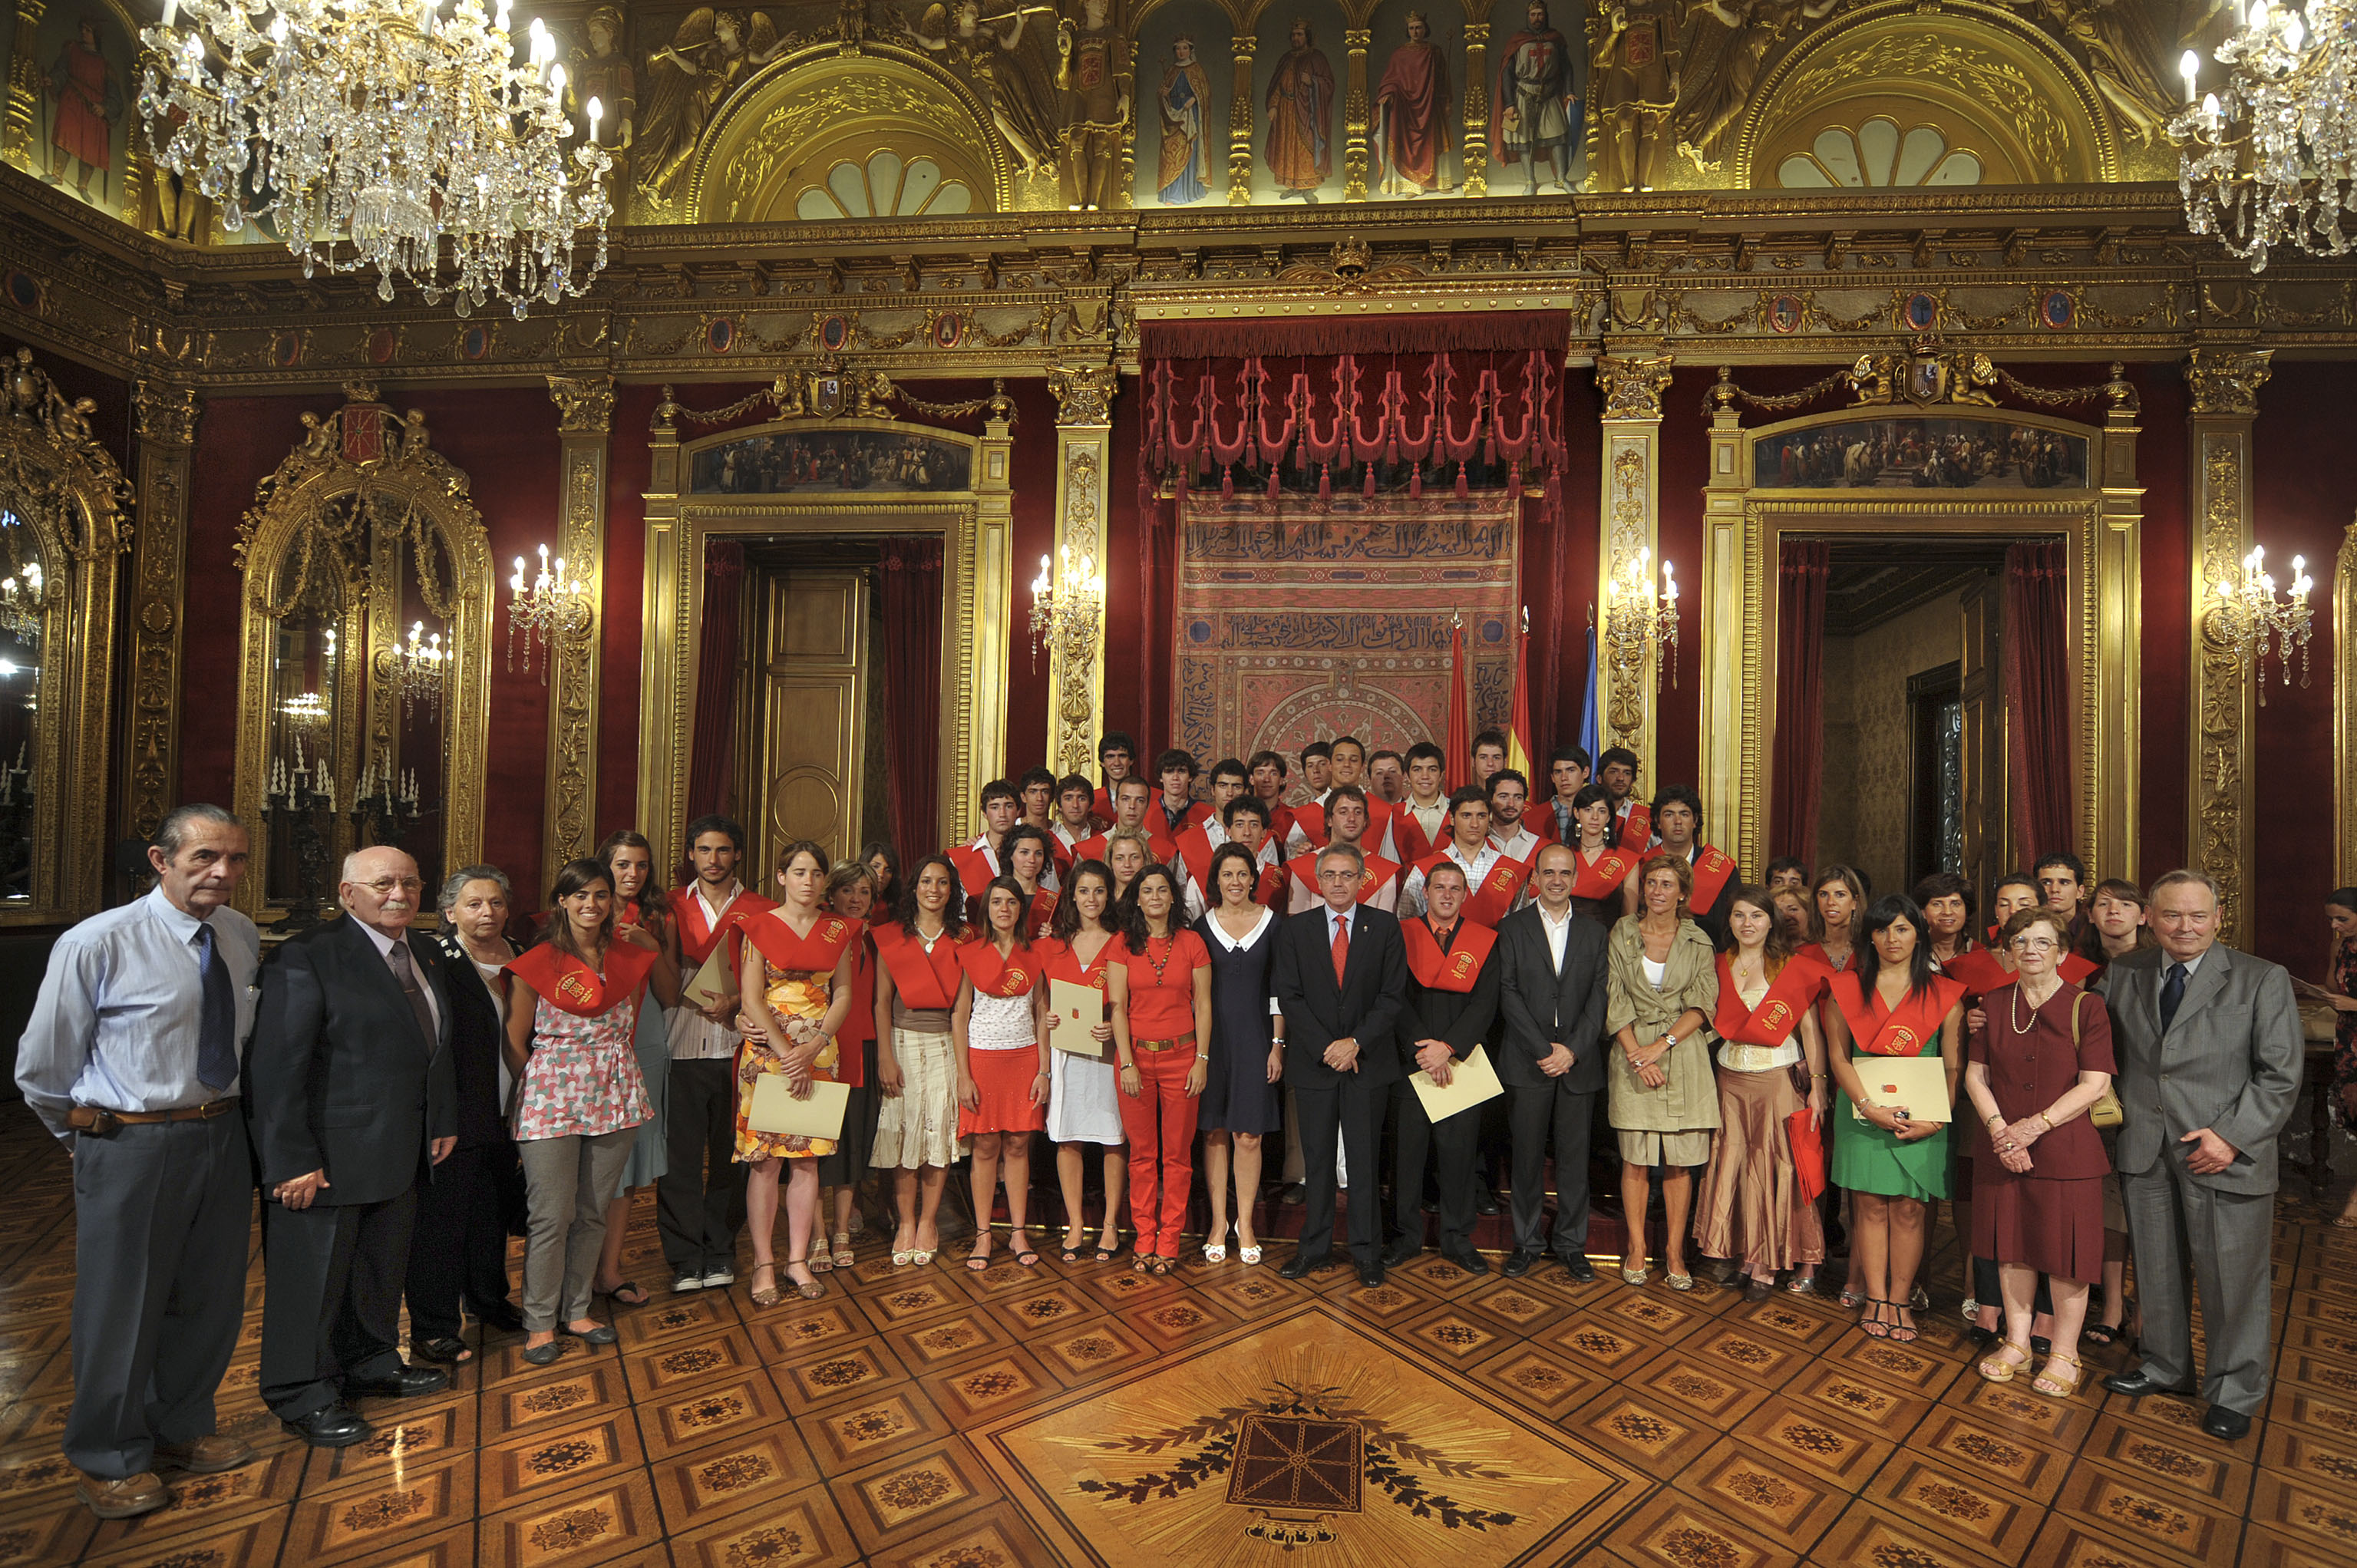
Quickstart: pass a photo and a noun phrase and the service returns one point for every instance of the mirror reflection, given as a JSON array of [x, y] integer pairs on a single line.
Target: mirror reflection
[[24, 599]]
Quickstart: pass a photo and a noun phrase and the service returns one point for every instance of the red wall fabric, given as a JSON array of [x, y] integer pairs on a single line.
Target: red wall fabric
[[909, 602], [1678, 534], [712, 750], [2038, 696], [1034, 535], [1573, 558], [2164, 732], [2301, 504], [1798, 769]]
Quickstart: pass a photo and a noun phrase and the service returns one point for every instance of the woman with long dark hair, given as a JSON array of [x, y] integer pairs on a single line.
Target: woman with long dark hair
[[1600, 868], [629, 861], [879, 857], [573, 1009], [917, 978], [1030, 859], [851, 893], [1891, 1161], [998, 1028], [1083, 1100], [1160, 983], [796, 980], [1246, 1050]]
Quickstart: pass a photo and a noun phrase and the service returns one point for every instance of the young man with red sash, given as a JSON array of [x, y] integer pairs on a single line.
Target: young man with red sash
[[1452, 1000], [1567, 770], [1345, 818], [1496, 880], [700, 1198], [1117, 756], [1348, 758], [1175, 810], [1420, 824], [1677, 814], [1243, 821], [1509, 792], [1133, 808], [979, 862], [1075, 797], [1617, 771], [1199, 837], [1268, 774]]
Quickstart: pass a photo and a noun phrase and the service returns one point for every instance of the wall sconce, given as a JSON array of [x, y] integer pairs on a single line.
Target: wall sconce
[[1641, 623], [416, 670], [552, 606], [2249, 618], [1065, 612]]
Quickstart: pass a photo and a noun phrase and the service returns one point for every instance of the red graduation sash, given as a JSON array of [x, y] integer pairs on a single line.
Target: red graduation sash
[[574, 987], [1979, 968], [1637, 827], [1459, 966], [1062, 964], [1007, 975], [696, 940], [1494, 901], [1712, 871], [973, 868], [1408, 837], [926, 980], [1603, 876], [816, 953], [1309, 817], [1281, 819], [1789, 996], [1902, 1031], [1041, 915]]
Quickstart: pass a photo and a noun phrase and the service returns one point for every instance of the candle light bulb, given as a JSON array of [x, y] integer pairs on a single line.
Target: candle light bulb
[[2190, 67], [555, 80], [171, 9], [2294, 31], [2259, 13], [596, 110]]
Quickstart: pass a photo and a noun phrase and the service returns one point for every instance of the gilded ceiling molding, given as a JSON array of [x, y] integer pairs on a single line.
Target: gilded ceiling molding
[[1084, 397], [71, 506], [1632, 384], [585, 406], [165, 419], [2221, 791]]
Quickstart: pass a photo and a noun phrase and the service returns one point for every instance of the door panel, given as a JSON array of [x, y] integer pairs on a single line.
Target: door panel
[[810, 707], [1982, 695]]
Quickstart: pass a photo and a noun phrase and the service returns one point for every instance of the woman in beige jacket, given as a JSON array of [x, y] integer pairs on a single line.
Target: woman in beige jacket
[[1661, 1095]]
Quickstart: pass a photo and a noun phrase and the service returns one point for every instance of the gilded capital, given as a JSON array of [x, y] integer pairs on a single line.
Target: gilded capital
[[166, 414], [2227, 380], [1083, 393], [585, 405], [1632, 384]]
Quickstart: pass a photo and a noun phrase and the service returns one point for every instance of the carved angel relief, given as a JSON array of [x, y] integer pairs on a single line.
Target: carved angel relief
[[990, 55], [713, 54]]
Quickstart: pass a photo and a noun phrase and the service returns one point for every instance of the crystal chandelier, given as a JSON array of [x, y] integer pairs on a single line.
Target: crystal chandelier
[[416, 670], [2269, 158], [371, 131], [22, 603], [1640, 625], [2248, 618], [553, 605], [1064, 613]]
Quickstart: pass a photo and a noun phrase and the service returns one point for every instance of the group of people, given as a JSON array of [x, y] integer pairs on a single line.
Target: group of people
[[1131, 965]]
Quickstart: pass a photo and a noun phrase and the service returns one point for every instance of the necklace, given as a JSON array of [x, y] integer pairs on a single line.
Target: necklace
[[2014, 1011], [1169, 945], [929, 941]]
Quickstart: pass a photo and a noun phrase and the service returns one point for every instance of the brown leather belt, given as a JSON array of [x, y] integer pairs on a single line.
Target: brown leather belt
[[1187, 1039], [91, 1118]]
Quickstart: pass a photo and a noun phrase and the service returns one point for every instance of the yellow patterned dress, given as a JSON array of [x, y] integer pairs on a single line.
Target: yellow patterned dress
[[803, 993]]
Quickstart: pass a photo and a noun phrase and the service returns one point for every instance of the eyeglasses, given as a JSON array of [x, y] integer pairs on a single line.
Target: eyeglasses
[[2035, 944], [383, 886]]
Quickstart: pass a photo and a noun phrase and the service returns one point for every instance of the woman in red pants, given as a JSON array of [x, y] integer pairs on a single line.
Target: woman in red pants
[[1160, 984]]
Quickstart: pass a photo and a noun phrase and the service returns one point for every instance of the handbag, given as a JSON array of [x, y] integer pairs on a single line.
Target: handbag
[[2106, 1111]]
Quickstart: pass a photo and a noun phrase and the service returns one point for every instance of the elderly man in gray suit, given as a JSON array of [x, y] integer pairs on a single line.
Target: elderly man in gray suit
[[2209, 1047]]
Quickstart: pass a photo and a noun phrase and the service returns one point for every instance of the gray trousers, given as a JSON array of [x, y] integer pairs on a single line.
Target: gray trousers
[[700, 1196], [2226, 1238], [161, 1217], [570, 1180]]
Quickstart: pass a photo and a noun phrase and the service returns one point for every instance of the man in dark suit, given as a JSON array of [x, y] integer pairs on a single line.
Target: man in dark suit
[[353, 1095], [2208, 1045], [1340, 977], [1452, 1000], [1551, 1061]]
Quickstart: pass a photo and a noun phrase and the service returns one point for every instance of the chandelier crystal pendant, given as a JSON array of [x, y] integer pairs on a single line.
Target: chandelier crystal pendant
[[370, 132], [2270, 157]]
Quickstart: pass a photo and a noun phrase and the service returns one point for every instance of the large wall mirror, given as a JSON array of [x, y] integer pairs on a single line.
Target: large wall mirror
[[62, 526], [366, 678]]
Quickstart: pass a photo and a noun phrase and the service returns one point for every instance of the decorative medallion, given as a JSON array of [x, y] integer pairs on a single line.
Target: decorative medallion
[[2057, 310], [720, 333], [1785, 314], [24, 291], [286, 349], [833, 333], [1921, 312], [949, 330], [1295, 1462], [383, 344], [474, 343]]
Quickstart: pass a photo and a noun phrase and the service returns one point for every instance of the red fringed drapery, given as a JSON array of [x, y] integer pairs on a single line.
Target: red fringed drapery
[[713, 757], [1368, 402], [2037, 696], [1800, 761], [911, 608]]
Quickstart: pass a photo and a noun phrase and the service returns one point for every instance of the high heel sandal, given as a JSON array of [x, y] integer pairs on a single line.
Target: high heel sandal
[[1244, 1254], [845, 1257], [809, 1290], [1870, 1323], [1994, 1369], [980, 1260], [767, 1296], [1900, 1333], [1073, 1250], [1216, 1250], [2051, 1384], [1025, 1254]]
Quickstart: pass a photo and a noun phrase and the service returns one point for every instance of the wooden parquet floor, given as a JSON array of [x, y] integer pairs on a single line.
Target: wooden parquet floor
[[950, 1419]]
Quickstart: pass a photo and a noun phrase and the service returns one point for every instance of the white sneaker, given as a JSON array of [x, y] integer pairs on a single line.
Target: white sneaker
[[720, 1279], [686, 1283]]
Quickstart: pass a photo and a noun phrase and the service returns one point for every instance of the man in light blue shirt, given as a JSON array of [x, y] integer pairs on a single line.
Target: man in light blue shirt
[[132, 1059]]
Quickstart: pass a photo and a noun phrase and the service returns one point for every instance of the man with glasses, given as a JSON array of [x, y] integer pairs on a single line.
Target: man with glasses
[[352, 1093]]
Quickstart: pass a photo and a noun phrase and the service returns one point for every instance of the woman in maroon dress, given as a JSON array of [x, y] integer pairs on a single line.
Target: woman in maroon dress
[[2036, 1067]]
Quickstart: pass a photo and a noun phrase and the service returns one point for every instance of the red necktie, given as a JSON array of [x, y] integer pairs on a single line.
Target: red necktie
[[1341, 947]]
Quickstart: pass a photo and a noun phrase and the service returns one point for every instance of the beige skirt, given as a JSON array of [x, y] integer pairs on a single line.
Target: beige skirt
[[919, 1126], [1750, 1208], [1642, 1147]]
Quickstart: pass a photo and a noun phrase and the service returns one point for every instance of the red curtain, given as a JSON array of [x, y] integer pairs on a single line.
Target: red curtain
[[1800, 762], [713, 759], [912, 607], [2037, 696]]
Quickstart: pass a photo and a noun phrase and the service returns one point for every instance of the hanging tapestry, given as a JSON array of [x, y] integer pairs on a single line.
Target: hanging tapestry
[[1300, 619]]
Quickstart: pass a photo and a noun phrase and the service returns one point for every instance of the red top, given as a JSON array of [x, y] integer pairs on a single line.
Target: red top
[[571, 986], [1162, 997], [2030, 1068], [1777, 1018], [926, 980], [1006, 975], [816, 953]]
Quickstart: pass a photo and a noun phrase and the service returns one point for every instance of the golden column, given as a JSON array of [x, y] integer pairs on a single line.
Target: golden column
[[585, 418], [1731, 708], [1476, 182], [2221, 796], [1084, 397], [164, 418], [1356, 114], [2118, 650], [1632, 384], [1239, 123]]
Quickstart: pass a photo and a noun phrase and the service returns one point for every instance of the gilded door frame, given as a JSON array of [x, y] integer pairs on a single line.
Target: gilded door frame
[[976, 528], [2344, 708], [1744, 532]]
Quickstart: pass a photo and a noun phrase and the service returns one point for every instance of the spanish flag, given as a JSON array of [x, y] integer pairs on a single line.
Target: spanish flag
[[1519, 752], [1458, 770]]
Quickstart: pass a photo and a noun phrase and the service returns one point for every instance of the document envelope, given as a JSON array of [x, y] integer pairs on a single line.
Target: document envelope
[[1474, 1082], [1079, 1008], [712, 982], [1920, 1084], [775, 1108]]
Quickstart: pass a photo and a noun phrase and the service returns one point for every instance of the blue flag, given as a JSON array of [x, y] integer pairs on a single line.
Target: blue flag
[[1587, 735]]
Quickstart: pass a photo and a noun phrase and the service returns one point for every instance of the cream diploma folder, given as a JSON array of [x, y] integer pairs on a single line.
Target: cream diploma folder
[[712, 982], [775, 1108], [1079, 1008], [1919, 1083], [1474, 1082]]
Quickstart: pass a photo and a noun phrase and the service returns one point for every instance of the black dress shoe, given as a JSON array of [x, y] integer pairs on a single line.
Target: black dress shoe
[[407, 1383], [2138, 1383], [1518, 1263], [1471, 1262], [1304, 1263], [1372, 1274], [2229, 1425], [1401, 1250], [337, 1426], [1295, 1195], [1486, 1205], [1579, 1271]]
